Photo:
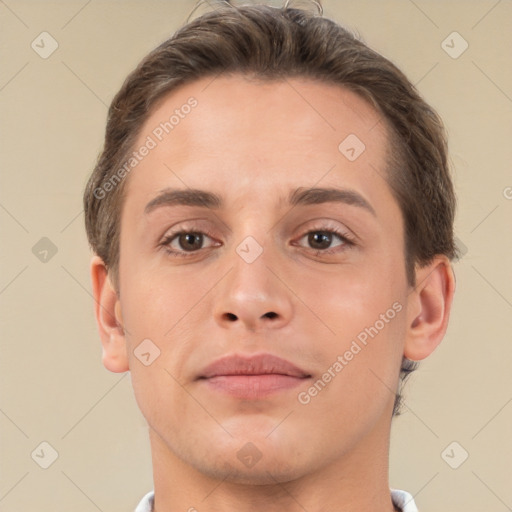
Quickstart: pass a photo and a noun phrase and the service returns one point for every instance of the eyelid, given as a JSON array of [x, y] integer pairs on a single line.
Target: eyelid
[[189, 225], [323, 224], [347, 242], [196, 225], [170, 236]]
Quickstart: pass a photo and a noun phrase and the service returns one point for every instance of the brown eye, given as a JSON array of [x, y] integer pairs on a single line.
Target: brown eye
[[185, 243], [190, 241], [326, 240], [320, 239]]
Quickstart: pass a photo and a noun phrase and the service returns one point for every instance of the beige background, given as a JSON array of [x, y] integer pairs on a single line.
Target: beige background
[[53, 385]]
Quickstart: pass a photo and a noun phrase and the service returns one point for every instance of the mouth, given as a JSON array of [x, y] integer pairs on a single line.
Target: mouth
[[252, 377]]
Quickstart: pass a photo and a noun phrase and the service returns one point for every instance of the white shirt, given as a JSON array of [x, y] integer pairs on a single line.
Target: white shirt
[[402, 499]]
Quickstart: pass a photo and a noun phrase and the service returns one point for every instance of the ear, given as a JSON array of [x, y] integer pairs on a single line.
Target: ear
[[108, 317], [429, 305]]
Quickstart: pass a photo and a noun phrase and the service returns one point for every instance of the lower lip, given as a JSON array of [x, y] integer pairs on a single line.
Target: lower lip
[[253, 386]]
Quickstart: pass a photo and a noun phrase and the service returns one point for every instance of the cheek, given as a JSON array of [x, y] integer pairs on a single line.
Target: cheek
[[363, 320], [161, 316], [351, 299], [154, 300]]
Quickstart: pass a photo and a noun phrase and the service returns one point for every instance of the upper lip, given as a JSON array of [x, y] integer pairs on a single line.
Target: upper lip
[[259, 364]]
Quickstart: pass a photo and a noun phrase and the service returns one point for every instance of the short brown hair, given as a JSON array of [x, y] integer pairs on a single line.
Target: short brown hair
[[271, 43]]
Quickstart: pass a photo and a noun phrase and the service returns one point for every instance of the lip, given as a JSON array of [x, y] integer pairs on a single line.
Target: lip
[[252, 377]]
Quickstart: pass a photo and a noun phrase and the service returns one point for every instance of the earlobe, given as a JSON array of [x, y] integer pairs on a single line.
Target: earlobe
[[107, 310], [429, 306]]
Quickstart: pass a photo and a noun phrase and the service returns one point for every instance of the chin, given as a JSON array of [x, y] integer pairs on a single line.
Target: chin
[[262, 473]]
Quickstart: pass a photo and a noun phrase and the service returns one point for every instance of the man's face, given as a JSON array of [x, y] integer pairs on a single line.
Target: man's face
[[319, 284]]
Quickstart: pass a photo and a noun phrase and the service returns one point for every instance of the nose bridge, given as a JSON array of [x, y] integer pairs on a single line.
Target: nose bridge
[[252, 294]]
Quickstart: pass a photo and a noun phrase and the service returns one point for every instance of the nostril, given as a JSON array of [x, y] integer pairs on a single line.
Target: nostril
[[270, 314], [230, 316]]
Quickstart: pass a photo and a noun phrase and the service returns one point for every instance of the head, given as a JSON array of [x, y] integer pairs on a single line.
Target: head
[[250, 104]]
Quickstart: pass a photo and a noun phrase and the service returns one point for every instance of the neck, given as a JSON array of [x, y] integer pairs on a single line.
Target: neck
[[356, 481]]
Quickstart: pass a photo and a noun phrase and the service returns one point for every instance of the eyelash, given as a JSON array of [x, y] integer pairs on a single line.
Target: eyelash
[[342, 235], [182, 254], [346, 239]]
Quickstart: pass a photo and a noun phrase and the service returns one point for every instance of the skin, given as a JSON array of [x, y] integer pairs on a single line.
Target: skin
[[253, 143]]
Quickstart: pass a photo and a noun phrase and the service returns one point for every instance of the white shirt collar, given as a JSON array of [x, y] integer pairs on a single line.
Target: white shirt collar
[[401, 499]]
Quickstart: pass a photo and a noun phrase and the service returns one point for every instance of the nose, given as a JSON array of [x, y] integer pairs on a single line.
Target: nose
[[253, 295]]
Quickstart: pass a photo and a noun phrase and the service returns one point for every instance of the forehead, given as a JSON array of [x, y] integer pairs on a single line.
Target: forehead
[[220, 128]]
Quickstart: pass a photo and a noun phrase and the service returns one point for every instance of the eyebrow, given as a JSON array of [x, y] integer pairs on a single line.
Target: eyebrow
[[185, 197], [300, 196], [306, 196]]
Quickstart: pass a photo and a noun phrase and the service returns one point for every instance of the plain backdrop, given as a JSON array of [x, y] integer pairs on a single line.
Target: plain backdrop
[[54, 388]]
